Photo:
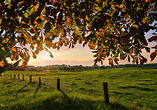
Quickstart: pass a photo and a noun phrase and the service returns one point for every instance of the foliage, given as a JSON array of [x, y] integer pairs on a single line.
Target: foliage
[[111, 27]]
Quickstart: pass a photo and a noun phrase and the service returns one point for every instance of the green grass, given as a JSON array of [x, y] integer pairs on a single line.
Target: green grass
[[81, 90]]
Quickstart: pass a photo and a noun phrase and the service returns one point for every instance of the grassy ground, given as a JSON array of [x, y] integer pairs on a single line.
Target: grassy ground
[[81, 90]]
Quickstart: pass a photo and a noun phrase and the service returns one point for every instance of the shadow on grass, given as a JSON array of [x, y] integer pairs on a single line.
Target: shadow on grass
[[138, 88], [148, 84], [22, 88], [84, 104], [37, 90], [117, 93], [65, 102]]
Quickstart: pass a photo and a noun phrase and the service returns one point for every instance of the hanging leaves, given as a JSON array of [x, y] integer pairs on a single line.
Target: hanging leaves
[[142, 60], [49, 52], [113, 59], [116, 27], [116, 60], [111, 62], [122, 56], [34, 55]]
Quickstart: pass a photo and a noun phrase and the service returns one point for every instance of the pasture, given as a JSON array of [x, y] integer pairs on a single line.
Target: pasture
[[129, 88]]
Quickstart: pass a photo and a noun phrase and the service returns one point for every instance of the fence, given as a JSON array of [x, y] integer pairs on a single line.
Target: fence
[[105, 85]]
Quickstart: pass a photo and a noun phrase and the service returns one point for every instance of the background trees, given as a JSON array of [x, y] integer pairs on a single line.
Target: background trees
[[113, 29]]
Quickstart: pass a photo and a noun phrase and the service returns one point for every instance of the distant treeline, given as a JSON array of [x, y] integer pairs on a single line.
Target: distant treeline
[[65, 67], [62, 67]]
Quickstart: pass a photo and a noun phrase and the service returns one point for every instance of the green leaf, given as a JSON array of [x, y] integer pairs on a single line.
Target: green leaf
[[115, 55], [122, 56], [7, 53]]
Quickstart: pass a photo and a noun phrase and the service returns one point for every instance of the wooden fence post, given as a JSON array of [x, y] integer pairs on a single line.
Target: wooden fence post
[[105, 88], [39, 80], [18, 76], [14, 76], [30, 78], [23, 77], [58, 84]]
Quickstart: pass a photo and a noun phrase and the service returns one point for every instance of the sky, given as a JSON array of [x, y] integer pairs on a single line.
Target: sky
[[78, 55]]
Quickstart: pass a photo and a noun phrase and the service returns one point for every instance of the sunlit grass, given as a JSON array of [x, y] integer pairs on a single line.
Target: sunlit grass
[[128, 89]]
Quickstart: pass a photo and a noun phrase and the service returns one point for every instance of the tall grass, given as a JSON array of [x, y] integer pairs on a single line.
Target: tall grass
[[128, 89]]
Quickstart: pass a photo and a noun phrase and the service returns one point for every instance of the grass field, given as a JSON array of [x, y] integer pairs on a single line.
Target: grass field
[[80, 90]]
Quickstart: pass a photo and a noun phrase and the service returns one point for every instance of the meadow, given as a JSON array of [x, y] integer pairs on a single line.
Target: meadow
[[129, 89]]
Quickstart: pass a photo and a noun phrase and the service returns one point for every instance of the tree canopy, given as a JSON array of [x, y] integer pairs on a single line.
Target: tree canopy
[[114, 29]]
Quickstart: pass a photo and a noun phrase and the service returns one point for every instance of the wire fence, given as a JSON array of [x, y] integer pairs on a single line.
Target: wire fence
[[43, 80]]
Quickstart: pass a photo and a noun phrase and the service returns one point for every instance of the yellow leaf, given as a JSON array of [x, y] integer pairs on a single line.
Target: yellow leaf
[[2, 64], [77, 31], [12, 57], [14, 49], [3, 48]]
